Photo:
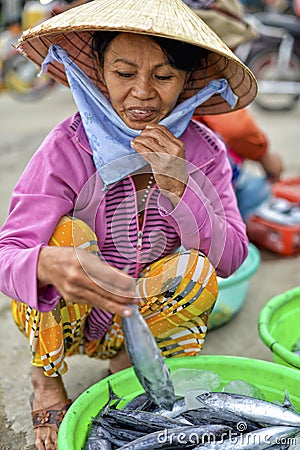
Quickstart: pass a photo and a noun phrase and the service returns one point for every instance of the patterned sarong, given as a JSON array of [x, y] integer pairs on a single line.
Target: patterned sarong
[[177, 295]]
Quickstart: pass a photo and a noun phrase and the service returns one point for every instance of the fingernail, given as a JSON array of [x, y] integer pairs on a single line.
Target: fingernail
[[127, 312]]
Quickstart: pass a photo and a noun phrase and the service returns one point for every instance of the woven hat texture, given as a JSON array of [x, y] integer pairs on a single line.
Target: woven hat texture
[[73, 30]]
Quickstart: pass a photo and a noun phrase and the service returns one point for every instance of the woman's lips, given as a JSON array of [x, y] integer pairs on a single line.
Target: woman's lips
[[141, 114]]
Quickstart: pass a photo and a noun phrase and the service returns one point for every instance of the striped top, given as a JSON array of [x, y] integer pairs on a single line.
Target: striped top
[[128, 243]]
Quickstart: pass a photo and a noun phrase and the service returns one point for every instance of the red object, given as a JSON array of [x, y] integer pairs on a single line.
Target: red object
[[282, 239], [288, 189], [240, 133], [296, 6]]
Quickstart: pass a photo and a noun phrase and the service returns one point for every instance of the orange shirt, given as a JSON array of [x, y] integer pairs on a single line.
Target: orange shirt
[[240, 132]]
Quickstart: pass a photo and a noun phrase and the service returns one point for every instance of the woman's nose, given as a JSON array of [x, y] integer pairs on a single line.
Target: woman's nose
[[143, 88]]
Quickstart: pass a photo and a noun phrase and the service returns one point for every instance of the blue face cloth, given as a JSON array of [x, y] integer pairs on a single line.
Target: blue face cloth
[[108, 136]]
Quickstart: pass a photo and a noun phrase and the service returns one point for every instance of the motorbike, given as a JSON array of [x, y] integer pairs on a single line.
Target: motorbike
[[18, 75], [274, 58], [19, 78]]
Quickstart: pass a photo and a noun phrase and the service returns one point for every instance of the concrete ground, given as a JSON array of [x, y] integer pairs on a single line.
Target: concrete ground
[[22, 128]]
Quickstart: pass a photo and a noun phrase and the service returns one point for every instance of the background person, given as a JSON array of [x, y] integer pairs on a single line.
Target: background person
[[243, 136]]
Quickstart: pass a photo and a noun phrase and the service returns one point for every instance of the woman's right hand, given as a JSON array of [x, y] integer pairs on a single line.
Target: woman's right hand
[[81, 277]]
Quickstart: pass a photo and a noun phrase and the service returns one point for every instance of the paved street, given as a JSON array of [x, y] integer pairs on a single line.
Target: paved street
[[22, 128]]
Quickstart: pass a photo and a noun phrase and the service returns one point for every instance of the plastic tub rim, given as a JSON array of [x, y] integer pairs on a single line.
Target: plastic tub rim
[[275, 369], [278, 349], [264, 318], [245, 273]]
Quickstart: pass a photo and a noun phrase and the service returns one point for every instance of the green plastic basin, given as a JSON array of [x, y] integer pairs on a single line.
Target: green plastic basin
[[233, 290], [272, 379], [278, 326]]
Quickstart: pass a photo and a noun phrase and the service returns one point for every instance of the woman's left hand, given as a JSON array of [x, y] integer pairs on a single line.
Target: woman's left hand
[[166, 156]]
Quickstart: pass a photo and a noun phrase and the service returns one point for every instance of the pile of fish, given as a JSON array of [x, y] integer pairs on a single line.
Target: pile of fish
[[171, 415], [221, 421]]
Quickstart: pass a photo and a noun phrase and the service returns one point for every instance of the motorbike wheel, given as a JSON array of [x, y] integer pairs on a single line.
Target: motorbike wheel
[[20, 79], [264, 67]]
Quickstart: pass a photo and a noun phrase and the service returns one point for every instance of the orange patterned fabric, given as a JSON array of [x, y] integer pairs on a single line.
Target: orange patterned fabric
[[177, 295]]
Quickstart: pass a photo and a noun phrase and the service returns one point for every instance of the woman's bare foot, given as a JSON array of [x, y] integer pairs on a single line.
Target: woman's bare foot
[[47, 392], [120, 361]]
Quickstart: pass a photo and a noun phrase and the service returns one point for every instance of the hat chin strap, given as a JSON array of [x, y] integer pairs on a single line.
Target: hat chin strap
[[109, 137]]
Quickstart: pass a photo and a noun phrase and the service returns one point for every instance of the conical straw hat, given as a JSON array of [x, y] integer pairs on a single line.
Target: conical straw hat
[[73, 30]]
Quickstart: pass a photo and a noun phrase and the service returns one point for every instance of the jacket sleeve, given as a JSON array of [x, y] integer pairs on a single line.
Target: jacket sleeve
[[41, 197], [240, 132], [207, 216]]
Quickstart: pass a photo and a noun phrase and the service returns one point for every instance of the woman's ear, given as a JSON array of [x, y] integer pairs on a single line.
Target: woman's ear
[[100, 76], [101, 82], [187, 79]]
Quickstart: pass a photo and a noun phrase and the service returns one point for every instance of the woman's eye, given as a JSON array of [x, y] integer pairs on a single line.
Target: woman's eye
[[163, 77], [125, 74]]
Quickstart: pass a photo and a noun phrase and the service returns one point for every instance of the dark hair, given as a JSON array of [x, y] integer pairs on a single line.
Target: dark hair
[[181, 55]]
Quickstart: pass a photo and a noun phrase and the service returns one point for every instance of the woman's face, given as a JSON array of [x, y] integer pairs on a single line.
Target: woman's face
[[142, 86]]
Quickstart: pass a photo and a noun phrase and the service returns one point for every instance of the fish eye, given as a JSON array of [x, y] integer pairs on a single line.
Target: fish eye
[[205, 394]]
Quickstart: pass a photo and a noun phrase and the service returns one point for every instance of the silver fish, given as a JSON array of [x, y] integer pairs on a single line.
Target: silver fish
[[142, 420], [287, 401], [207, 415], [178, 408], [280, 447], [97, 438], [100, 442], [147, 361], [260, 411], [255, 440], [141, 402], [122, 434]]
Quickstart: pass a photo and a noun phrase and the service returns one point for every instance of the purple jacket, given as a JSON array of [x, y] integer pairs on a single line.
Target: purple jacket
[[61, 179]]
